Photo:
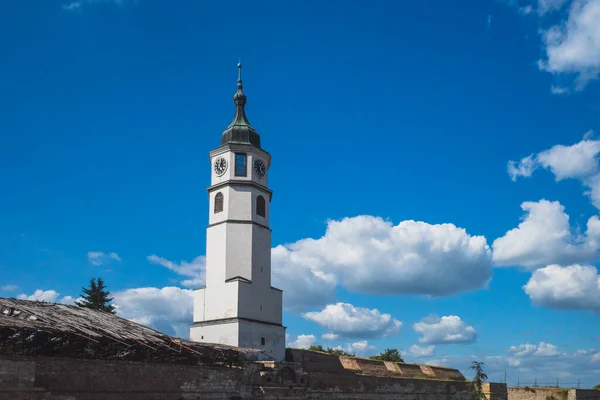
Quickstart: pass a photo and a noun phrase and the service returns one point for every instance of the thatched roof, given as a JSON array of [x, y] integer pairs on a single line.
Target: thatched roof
[[47, 329]]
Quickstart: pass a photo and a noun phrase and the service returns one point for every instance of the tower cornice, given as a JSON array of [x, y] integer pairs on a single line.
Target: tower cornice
[[239, 182]]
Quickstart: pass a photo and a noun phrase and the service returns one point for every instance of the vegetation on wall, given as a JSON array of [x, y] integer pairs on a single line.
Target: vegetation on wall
[[389, 355], [478, 379], [329, 350]]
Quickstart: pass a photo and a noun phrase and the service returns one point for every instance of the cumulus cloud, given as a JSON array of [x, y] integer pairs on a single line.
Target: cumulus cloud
[[573, 45], [167, 310], [545, 237], [574, 287], [194, 270], [302, 342], [418, 351], [345, 320], [578, 161], [542, 350], [48, 296], [448, 329], [370, 255], [100, 258], [304, 284]]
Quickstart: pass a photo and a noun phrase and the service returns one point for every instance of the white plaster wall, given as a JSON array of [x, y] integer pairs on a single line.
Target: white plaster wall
[[250, 335], [199, 304], [261, 256], [240, 203], [239, 251], [216, 253], [263, 304], [218, 333], [221, 301]]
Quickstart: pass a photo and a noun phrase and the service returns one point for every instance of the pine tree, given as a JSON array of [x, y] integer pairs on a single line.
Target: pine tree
[[96, 297]]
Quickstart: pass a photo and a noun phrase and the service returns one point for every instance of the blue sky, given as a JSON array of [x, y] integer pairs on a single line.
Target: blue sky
[[476, 119]]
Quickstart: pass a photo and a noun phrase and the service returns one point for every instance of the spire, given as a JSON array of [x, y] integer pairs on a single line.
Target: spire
[[240, 130]]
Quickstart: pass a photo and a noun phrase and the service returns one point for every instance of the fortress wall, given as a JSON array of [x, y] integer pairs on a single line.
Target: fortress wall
[[51, 378], [550, 393]]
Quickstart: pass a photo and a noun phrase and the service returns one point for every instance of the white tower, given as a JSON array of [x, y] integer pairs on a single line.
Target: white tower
[[238, 306]]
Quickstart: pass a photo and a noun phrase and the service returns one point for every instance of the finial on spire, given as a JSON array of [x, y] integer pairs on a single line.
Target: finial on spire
[[239, 75]]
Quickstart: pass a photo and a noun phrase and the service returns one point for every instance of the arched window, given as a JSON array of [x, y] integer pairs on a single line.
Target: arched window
[[219, 202], [260, 206]]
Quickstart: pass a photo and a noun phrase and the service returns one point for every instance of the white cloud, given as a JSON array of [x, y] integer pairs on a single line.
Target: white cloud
[[168, 310], [302, 342], [361, 348], [303, 284], [48, 296], [544, 237], [369, 255], [528, 367], [546, 350], [578, 161], [523, 349], [448, 329], [546, 6], [573, 46], [195, 270], [8, 288], [524, 168], [100, 258], [346, 320], [542, 350], [574, 287], [418, 351], [330, 336]]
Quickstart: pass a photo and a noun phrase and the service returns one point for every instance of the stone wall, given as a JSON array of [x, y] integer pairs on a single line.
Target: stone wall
[[549, 393], [320, 362], [45, 378]]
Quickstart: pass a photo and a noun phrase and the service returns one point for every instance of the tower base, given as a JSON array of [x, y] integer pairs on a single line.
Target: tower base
[[242, 332]]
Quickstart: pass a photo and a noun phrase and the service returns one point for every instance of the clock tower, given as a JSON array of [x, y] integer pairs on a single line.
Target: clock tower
[[238, 306]]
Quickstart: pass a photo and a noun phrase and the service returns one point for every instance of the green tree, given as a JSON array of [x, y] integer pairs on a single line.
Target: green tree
[[478, 380], [597, 387], [389, 355], [329, 350], [96, 297]]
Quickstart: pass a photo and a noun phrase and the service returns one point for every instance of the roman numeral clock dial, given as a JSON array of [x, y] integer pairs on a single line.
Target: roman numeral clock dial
[[220, 166], [260, 168]]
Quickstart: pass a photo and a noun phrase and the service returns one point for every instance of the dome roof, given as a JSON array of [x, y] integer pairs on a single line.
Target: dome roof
[[240, 130]]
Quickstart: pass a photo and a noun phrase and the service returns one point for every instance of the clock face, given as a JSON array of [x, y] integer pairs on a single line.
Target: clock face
[[260, 168], [220, 166]]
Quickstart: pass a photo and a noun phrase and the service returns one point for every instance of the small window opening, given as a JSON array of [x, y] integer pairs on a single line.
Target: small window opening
[[261, 270], [219, 202], [240, 164], [262, 341], [261, 206]]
